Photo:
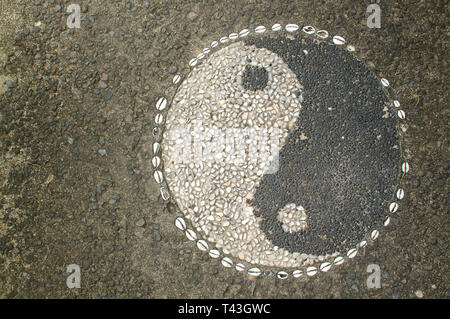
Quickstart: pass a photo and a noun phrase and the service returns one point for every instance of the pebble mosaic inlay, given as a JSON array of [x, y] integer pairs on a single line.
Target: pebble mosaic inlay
[[304, 201]]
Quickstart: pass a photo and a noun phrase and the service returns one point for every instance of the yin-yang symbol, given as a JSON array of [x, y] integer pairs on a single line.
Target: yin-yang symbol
[[281, 151]]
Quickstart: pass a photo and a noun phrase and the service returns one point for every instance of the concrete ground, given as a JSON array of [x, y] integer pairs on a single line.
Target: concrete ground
[[62, 202]]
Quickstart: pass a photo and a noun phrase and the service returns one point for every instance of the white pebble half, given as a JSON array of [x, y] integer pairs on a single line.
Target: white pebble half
[[325, 266], [180, 223], [244, 33], [226, 262], [276, 27], [191, 235], [158, 175], [374, 234], [309, 29], [384, 82], [351, 48], [338, 260], [393, 207], [260, 29], [338, 40], [156, 161], [291, 27], [352, 253], [297, 273], [214, 253], [202, 245], [400, 193], [161, 103], [255, 271], [282, 275], [240, 267], [311, 271]]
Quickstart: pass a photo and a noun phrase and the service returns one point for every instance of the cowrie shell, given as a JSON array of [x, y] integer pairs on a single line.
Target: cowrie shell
[[156, 147], [255, 271], [240, 267], [325, 266], [405, 167], [214, 253], [338, 260], [282, 275], [164, 193], [193, 62], [276, 27], [323, 34], [309, 29], [191, 235], [387, 221], [224, 40], [384, 82], [393, 207], [401, 114], [374, 234], [338, 40], [297, 273], [311, 271], [351, 48], [202, 245], [400, 193], [396, 103], [352, 253], [156, 161], [161, 103], [244, 33], [233, 36], [206, 50], [159, 118], [158, 175], [291, 27], [260, 29], [214, 44], [180, 223], [200, 56], [226, 262], [363, 243], [176, 79]]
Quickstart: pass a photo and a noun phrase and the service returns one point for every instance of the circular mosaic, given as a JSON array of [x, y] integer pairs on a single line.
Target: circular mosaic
[[281, 150]]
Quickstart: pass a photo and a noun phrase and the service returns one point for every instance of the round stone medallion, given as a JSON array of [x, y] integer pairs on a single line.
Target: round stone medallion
[[280, 149]]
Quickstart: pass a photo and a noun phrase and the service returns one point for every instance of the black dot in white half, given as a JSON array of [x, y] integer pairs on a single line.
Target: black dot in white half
[[282, 151]]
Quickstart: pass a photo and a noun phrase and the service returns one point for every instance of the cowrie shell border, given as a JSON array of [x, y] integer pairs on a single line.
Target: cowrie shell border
[[162, 104]]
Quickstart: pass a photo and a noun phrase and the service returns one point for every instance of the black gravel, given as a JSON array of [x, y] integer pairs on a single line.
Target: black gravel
[[255, 78], [344, 173]]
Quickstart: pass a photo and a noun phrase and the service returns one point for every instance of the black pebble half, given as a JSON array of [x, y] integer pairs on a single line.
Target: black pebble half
[[344, 184], [254, 78]]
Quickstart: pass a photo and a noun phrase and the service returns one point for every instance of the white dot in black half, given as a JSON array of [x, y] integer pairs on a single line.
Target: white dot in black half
[[278, 157]]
